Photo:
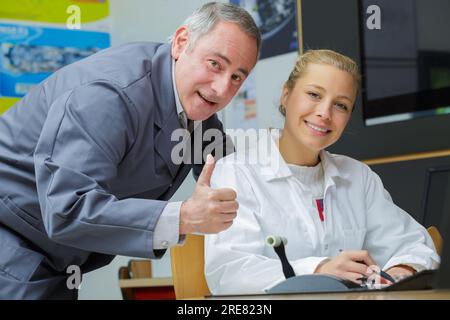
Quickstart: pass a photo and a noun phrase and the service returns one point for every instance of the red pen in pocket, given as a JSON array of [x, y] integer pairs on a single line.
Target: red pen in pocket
[[319, 205]]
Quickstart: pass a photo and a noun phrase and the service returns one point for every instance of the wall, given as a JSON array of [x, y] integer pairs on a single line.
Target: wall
[[334, 25]]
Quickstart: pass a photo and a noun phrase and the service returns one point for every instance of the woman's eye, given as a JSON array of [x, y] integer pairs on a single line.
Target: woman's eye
[[342, 106], [313, 95]]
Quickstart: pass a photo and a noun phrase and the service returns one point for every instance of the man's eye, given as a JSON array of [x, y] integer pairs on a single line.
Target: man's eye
[[236, 78], [214, 64]]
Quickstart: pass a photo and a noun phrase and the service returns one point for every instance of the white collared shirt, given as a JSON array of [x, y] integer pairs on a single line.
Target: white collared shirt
[[180, 111], [359, 214]]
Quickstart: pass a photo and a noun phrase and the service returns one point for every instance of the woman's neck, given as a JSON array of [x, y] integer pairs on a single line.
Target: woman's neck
[[294, 152]]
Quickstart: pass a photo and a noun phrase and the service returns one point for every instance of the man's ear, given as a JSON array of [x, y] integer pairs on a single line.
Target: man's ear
[[179, 42]]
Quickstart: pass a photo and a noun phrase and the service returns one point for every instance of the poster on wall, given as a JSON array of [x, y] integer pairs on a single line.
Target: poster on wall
[[39, 37], [277, 21]]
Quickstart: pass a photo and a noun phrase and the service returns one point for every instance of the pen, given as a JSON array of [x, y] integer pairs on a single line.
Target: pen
[[381, 273], [386, 276]]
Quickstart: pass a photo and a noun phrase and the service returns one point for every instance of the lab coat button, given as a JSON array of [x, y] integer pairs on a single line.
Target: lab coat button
[[326, 246], [165, 244]]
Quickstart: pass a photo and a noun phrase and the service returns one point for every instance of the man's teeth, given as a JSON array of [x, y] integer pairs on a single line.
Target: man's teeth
[[205, 98], [316, 128]]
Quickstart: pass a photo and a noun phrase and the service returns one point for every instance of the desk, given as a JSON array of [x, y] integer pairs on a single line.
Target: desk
[[374, 295], [149, 288]]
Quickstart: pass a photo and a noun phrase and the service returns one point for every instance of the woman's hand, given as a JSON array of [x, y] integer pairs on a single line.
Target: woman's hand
[[400, 271], [350, 265]]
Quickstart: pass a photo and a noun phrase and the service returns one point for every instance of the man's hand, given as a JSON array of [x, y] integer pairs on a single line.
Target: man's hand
[[350, 265], [208, 210]]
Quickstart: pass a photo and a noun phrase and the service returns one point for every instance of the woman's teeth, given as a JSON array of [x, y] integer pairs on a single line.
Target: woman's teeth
[[316, 128]]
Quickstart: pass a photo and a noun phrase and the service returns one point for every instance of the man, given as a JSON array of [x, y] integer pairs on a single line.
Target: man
[[85, 158]]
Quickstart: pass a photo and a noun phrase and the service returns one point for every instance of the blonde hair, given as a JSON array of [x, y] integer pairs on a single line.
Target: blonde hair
[[325, 57]]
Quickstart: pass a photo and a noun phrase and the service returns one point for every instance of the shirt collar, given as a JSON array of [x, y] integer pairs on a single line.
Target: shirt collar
[[274, 167], [180, 111]]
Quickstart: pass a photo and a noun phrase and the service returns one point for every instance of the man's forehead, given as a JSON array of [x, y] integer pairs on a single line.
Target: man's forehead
[[225, 33]]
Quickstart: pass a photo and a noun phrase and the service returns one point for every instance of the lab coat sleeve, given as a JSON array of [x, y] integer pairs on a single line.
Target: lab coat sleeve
[[393, 236], [235, 262], [85, 136]]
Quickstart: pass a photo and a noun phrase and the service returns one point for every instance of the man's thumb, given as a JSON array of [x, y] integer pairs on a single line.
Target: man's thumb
[[208, 168]]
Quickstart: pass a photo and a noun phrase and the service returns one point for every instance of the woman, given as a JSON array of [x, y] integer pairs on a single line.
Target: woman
[[334, 210]]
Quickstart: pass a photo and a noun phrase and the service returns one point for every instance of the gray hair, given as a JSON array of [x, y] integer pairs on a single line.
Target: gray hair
[[204, 19]]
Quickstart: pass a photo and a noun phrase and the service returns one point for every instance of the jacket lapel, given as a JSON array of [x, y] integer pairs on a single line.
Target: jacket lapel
[[166, 119], [164, 144]]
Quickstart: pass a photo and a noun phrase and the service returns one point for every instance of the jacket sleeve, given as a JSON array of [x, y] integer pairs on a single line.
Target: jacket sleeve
[[84, 138], [235, 259], [393, 236]]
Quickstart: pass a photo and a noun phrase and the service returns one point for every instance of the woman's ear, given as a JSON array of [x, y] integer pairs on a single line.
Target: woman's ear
[[284, 96], [179, 42]]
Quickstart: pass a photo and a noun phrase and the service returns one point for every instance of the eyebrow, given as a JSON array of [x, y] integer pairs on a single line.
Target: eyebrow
[[323, 89], [228, 61]]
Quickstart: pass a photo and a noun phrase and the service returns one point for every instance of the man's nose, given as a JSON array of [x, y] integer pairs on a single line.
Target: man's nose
[[221, 85]]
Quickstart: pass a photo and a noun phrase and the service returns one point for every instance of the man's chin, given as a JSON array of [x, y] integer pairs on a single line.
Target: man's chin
[[199, 116]]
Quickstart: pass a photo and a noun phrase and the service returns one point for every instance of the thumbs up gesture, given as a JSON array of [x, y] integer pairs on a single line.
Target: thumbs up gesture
[[208, 210]]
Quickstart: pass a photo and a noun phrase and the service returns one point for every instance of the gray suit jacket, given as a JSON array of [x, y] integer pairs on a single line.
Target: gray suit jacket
[[85, 166]]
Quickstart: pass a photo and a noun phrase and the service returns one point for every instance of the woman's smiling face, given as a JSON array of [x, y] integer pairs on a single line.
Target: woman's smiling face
[[319, 106]]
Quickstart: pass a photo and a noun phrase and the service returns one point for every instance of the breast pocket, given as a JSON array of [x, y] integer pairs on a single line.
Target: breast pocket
[[25, 216]]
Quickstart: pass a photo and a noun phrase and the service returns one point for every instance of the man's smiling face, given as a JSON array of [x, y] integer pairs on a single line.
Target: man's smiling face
[[209, 74]]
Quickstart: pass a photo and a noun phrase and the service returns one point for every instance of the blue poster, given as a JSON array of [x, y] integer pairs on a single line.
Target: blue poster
[[277, 21], [29, 54]]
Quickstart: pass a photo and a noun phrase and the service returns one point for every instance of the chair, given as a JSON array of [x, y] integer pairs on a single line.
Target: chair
[[127, 293], [140, 268], [437, 238], [188, 271], [135, 269]]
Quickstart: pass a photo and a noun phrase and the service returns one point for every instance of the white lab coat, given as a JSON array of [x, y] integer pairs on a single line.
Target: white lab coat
[[359, 214]]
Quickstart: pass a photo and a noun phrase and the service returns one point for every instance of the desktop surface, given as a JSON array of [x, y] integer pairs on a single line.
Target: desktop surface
[[351, 295]]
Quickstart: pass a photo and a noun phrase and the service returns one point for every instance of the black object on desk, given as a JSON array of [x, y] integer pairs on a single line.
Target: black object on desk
[[314, 283], [278, 244], [310, 283]]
